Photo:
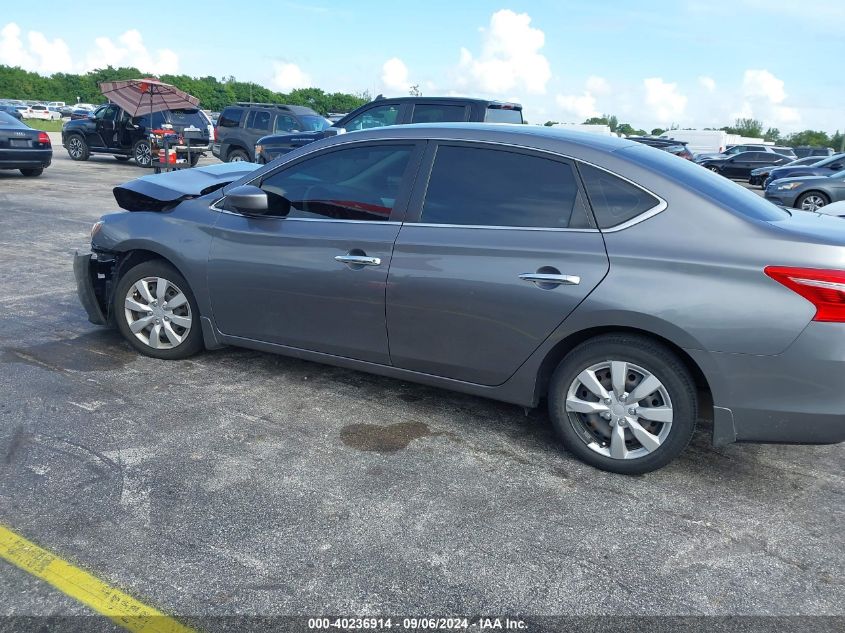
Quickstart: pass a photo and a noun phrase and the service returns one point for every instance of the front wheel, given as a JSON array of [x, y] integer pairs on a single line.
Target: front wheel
[[624, 404], [811, 201], [77, 148], [142, 154], [156, 311]]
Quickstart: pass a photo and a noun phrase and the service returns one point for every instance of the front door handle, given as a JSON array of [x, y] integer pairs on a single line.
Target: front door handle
[[552, 280], [358, 260]]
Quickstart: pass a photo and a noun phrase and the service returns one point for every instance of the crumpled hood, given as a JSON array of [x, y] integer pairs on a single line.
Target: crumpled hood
[[160, 192]]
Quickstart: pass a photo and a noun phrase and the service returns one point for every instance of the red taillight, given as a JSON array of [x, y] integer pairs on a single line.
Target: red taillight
[[215, 133], [825, 289], [43, 138]]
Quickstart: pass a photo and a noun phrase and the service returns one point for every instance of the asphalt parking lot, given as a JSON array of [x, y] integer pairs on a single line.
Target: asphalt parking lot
[[244, 483]]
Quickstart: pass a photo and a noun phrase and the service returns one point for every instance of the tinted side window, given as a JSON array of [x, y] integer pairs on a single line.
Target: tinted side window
[[286, 123], [259, 120], [359, 183], [762, 156], [432, 113], [379, 116], [230, 117], [475, 186], [614, 200], [503, 115]]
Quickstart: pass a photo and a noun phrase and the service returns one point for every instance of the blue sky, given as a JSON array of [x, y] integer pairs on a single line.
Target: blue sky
[[690, 62]]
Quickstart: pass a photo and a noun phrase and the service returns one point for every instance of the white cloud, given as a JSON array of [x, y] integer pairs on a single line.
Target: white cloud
[[708, 83], [130, 50], [394, 75], [510, 57], [581, 106], [598, 86], [46, 56], [763, 95], [667, 104], [40, 54], [288, 76]]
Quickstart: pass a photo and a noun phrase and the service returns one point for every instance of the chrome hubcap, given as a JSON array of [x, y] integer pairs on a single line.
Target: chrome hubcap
[[142, 154], [619, 409], [158, 313], [811, 203], [237, 158]]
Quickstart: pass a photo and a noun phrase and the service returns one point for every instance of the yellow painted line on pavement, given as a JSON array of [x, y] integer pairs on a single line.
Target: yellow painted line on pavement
[[121, 608]]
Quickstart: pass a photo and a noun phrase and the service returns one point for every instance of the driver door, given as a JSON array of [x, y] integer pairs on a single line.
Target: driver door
[[103, 135], [311, 274]]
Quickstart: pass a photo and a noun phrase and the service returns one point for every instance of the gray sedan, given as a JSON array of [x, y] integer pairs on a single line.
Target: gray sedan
[[632, 291], [809, 193]]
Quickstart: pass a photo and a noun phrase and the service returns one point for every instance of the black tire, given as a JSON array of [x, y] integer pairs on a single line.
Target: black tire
[[799, 202], [649, 355], [122, 159], [142, 154], [192, 341], [31, 173], [236, 155], [195, 158], [77, 147], [714, 169]]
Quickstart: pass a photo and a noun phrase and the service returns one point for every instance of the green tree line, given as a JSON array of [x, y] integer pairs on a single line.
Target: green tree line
[[213, 93]]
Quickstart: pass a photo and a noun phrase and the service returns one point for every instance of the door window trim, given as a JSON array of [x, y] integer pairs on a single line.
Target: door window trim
[[423, 173]]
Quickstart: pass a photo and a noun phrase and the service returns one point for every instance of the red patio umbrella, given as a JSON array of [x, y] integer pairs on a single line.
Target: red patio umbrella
[[146, 95]]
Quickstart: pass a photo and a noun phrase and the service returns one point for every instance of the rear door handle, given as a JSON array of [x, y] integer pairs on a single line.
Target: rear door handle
[[358, 260], [546, 278]]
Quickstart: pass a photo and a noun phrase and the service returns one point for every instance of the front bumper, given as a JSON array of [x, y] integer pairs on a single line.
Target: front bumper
[[783, 198], [797, 397], [93, 274]]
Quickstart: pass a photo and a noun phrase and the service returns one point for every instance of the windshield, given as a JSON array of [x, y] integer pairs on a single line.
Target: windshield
[[313, 123]]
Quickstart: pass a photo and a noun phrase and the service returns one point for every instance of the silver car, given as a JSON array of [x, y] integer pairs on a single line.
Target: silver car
[[634, 292]]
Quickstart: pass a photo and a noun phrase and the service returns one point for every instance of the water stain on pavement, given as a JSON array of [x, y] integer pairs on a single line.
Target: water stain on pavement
[[95, 351], [384, 439]]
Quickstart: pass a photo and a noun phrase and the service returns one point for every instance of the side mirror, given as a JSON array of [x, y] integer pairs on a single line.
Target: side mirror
[[334, 131], [247, 199]]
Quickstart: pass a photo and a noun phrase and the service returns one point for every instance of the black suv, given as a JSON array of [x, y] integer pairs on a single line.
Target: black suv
[[110, 130], [241, 125], [381, 112]]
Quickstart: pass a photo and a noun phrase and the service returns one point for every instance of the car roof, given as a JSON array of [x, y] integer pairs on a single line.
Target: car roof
[[295, 109], [537, 136], [380, 99]]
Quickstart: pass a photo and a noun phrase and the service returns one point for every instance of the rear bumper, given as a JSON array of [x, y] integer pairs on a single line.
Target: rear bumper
[[25, 158], [85, 269], [797, 397]]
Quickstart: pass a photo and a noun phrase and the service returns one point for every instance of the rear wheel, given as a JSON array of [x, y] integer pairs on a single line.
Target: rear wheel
[[142, 154], [156, 311], [237, 156], [624, 404], [31, 173], [77, 148], [811, 201], [713, 168]]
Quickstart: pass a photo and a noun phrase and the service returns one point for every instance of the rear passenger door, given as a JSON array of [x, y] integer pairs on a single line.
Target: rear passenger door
[[257, 125], [498, 249]]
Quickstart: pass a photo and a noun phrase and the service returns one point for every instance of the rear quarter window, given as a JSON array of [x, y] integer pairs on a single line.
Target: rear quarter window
[[503, 115], [614, 201], [230, 117]]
